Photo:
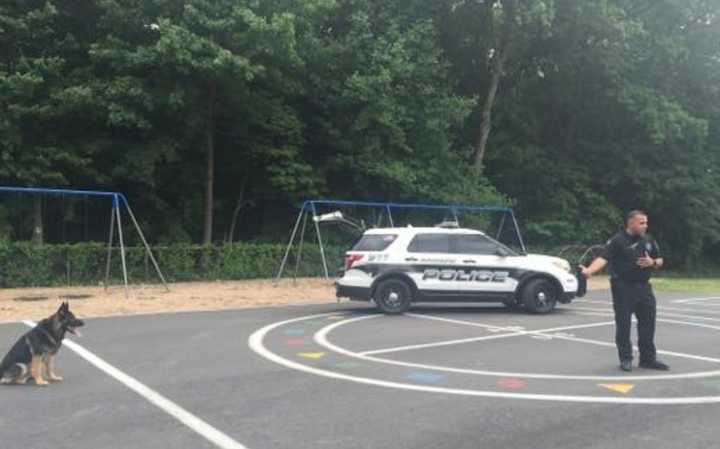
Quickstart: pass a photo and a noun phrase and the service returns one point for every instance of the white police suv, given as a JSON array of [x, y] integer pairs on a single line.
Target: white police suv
[[395, 267]]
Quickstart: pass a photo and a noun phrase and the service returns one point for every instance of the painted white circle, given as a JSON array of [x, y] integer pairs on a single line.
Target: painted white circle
[[321, 338], [257, 344]]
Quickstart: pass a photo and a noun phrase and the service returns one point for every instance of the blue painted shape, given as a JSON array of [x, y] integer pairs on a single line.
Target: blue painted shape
[[425, 377], [296, 332], [347, 365]]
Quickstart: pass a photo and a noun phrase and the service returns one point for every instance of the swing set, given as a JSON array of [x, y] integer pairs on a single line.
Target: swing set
[[118, 204]]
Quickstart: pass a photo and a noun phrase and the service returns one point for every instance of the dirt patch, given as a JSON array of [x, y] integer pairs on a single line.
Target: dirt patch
[[37, 303]]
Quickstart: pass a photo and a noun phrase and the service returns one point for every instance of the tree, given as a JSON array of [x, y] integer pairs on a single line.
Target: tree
[[493, 38], [207, 54], [43, 95]]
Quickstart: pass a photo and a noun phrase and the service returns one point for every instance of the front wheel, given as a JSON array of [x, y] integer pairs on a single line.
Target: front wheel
[[539, 296], [393, 296]]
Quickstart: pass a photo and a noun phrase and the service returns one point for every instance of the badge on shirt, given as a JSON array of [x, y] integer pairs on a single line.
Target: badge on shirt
[[648, 246]]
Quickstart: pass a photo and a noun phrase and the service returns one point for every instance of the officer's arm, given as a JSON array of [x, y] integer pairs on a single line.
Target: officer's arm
[[596, 266], [656, 256]]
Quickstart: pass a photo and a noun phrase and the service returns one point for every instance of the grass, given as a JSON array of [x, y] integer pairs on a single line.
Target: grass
[[710, 285]]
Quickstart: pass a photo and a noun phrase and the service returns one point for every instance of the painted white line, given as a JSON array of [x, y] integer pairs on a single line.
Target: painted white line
[[201, 427], [539, 332], [686, 300], [438, 344], [702, 308], [670, 314], [677, 301], [704, 305], [321, 338], [663, 320], [256, 343], [598, 342]]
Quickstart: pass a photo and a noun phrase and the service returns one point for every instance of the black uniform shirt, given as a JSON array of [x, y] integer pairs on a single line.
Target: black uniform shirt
[[623, 251]]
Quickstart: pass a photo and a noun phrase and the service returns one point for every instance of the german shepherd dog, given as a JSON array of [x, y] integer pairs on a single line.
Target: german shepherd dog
[[33, 355]]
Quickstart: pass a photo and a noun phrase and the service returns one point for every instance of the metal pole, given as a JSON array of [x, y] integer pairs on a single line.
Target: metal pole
[[122, 244], [300, 247], [322, 250], [517, 229], [147, 247], [392, 225], [110, 243], [502, 225], [292, 239]]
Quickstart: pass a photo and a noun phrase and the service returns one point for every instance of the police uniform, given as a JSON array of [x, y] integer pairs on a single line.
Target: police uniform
[[632, 292]]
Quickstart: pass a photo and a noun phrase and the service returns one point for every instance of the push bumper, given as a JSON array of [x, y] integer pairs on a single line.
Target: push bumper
[[582, 283]]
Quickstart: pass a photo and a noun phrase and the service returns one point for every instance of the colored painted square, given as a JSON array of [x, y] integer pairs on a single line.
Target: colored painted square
[[425, 377]]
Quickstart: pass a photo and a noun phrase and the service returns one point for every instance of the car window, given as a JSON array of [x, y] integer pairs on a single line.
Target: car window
[[474, 244], [374, 242], [430, 243]]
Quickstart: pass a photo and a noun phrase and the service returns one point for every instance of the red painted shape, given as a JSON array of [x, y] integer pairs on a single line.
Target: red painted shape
[[511, 383], [295, 341]]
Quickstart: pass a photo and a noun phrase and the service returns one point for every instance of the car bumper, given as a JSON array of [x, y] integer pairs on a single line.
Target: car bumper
[[352, 292]]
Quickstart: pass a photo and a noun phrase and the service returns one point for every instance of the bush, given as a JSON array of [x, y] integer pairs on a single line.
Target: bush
[[23, 264]]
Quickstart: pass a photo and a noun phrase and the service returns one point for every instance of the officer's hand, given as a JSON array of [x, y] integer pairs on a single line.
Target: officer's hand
[[585, 272], [646, 261]]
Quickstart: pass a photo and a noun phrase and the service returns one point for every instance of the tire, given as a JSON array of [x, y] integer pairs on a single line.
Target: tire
[[539, 296], [393, 296]]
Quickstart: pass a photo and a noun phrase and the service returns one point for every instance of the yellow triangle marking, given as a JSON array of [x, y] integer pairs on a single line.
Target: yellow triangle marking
[[619, 388], [311, 355], [335, 317]]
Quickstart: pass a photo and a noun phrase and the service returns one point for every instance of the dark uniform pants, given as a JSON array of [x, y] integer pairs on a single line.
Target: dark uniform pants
[[634, 298]]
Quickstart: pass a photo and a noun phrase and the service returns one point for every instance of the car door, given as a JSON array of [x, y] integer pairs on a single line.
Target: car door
[[486, 270], [431, 263]]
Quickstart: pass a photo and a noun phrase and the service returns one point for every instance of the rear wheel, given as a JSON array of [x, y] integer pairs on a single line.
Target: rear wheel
[[539, 296], [393, 296]]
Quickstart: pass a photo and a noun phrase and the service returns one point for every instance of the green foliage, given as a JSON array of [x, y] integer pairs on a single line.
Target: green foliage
[[602, 106], [26, 265]]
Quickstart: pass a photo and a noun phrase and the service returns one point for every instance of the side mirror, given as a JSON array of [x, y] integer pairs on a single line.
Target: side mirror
[[502, 252]]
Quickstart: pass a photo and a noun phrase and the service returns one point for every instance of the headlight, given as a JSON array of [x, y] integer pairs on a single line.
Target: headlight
[[563, 265]]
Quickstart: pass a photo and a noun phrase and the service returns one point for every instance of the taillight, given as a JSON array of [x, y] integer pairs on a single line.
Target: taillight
[[350, 259]]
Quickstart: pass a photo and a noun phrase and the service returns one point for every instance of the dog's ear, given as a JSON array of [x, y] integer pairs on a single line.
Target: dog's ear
[[63, 308]]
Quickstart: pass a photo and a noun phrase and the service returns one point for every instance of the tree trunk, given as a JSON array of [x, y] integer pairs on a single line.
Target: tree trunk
[[486, 117], [37, 235], [210, 177], [238, 207], [503, 37]]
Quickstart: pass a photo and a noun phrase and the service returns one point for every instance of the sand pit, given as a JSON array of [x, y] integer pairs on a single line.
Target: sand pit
[[36, 303]]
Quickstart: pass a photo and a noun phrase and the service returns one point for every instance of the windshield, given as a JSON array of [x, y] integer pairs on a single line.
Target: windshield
[[374, 242]]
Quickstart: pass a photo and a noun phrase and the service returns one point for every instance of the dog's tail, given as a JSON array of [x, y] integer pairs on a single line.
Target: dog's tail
[[4, 366], [12, 373]]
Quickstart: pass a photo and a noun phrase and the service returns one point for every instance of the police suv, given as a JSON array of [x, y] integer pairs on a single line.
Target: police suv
[[395, 267]]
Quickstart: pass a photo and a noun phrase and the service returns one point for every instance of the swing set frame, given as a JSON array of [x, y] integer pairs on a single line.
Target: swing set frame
[[118, 201], [309, 208]]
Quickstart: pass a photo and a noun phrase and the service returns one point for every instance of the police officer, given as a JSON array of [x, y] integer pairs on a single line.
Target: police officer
[[632, 255]]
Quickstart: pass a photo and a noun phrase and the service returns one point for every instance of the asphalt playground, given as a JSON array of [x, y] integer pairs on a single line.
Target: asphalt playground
[[344, 376]]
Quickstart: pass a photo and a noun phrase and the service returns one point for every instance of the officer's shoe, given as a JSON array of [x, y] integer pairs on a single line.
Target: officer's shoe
[[626, 365], [654, 364]]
